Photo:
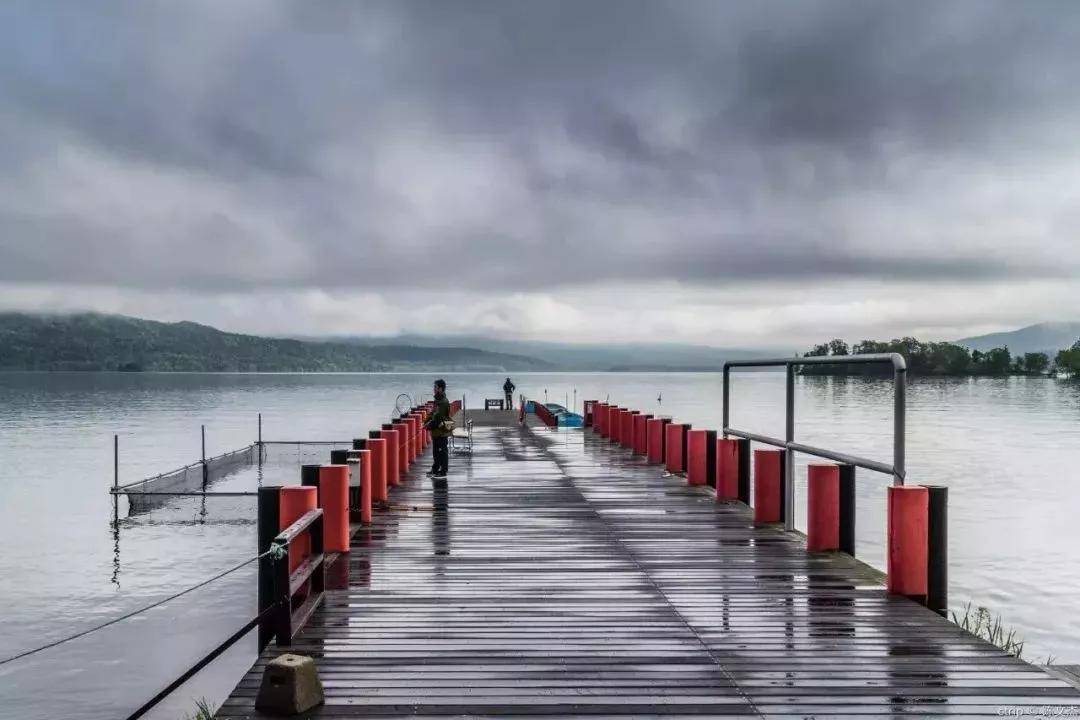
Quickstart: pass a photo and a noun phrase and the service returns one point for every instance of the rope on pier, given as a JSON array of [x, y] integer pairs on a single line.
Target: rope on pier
[[133, 613]]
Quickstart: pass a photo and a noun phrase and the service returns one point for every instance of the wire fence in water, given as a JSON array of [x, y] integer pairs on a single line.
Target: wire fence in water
[[267, 462]]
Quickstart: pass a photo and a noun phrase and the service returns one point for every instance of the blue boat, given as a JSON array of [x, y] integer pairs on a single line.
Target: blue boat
[[564, 416]]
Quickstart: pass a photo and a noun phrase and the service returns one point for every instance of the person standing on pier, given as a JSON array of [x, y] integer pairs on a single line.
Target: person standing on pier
[[508, 389], [440, 435]]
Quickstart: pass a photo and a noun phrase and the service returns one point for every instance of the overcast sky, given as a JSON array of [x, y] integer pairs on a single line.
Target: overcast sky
[[728, 173]]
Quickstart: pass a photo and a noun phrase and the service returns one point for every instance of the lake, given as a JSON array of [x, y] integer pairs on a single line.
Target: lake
[[1007, 448]]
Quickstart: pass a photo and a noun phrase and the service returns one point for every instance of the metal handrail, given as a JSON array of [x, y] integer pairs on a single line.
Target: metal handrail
[[897, 469]]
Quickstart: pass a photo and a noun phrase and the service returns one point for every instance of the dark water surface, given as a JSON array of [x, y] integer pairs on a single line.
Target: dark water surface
[[1007, 449]]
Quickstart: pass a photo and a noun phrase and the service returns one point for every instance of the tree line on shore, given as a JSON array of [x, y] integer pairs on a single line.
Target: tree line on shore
[[945, 358], [93, 342]]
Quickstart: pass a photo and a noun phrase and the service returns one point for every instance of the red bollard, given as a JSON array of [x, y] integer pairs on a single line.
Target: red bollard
[[908, 531], [768, 486], [366, 486], [377, 447], [654, 443], [627, 439], [598, 418], [615, 433], [294, 502], [407, 428], [697, 457], [823, 507], [588, 412], [675, 447], [414, 438], [727, 469], [334, 498], [404, 454], [641, 434], [420, 420], [410, 423], [403, 448], [393, 470]]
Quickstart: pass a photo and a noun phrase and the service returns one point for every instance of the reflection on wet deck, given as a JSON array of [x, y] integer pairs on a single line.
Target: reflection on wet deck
[[556, 575]]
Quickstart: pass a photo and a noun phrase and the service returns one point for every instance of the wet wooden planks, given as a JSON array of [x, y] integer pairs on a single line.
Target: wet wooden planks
[[556, 575]]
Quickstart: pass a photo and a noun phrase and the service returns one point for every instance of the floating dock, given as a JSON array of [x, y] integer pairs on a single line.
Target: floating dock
[[559, 575]]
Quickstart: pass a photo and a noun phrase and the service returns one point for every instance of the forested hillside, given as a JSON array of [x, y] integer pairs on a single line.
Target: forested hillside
[[91, 341]]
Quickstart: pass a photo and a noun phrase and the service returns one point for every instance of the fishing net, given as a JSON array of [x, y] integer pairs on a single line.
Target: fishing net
[[237, 471]]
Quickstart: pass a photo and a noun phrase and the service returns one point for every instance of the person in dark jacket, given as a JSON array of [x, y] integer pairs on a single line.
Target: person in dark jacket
[[508, 388], [440, 436]]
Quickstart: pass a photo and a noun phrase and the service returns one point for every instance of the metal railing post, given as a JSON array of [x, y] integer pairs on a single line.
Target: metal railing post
[[789, 454], [897, 469], [899, 423], [116, 481], [727, 401]]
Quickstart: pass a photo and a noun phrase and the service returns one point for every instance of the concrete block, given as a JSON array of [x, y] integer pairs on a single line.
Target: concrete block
[[290, 685]]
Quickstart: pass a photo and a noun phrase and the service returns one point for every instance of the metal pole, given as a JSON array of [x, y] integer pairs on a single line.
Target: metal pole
[[116, 486], [897, 469], [574, 409], [727, 400], [789, 454], [899, 425], [205, 473]]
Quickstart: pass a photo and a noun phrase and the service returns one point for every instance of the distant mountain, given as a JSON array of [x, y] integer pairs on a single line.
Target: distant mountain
[[1048, 337], [424, 358], [590, 357], [90, 341]]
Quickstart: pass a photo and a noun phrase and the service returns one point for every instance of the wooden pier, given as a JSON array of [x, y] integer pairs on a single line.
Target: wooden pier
[[556, 574]]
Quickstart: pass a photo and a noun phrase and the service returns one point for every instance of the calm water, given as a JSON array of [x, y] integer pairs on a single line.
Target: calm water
[[1007, 449]]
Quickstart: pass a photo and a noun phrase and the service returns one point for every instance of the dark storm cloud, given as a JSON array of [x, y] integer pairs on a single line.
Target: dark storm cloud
[[528, 144]]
